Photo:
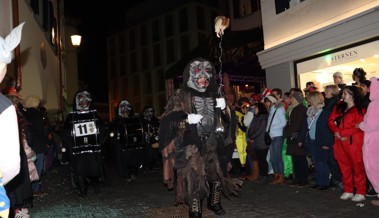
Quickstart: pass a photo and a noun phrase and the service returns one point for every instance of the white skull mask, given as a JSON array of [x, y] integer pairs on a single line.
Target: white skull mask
[[124, 109]]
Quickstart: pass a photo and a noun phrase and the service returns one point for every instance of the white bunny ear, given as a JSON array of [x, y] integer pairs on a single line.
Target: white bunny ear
[[9, 43]]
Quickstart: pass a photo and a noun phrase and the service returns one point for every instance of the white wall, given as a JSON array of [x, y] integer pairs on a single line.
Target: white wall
[[37, 80], [281, 76], [306, 17]]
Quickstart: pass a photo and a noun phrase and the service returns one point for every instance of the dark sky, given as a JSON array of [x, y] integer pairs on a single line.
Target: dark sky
[[97, 20]]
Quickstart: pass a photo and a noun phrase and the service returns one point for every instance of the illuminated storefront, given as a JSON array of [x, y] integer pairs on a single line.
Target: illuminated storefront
[[320, 69]]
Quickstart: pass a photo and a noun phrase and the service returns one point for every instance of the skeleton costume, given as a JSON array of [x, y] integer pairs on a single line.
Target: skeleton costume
[[192, 144], [127, 140], [84, 143]]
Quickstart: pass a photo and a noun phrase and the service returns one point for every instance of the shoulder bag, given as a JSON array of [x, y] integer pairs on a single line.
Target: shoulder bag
[[268, 139]]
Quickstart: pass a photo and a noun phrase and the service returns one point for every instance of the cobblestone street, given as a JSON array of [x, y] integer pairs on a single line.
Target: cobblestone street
[[148, 197]]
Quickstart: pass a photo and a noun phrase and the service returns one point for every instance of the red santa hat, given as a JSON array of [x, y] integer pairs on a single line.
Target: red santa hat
[[266, 92]]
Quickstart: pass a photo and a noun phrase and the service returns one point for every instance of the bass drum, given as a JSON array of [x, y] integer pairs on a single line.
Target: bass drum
[[85, 132], [132, 135]]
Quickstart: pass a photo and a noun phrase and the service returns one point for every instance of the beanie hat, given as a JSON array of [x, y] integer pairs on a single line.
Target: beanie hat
[[271, 98], [338, 74], [32, 101], [298, 96]]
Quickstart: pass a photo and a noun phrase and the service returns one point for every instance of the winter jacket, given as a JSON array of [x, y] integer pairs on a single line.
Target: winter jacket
[[256, 132], [279, 121]]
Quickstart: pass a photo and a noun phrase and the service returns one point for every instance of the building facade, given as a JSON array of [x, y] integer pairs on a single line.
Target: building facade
[[152, 42], [44, 64], [310, 40]]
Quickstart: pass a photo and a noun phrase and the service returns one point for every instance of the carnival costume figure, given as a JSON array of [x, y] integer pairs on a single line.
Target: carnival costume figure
[[127, 139], [84, 145], [194, 131], [150, 128]]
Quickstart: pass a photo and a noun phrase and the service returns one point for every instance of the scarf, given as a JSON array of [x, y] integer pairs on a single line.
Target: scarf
[[314, 110]]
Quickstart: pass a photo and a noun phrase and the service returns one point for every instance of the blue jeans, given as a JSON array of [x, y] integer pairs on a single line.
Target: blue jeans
[[333, 166], [319, 157], [276, 156], [39, 165]]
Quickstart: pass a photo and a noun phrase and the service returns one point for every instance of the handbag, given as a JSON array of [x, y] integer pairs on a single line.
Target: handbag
[[268, 139], [293, 146]]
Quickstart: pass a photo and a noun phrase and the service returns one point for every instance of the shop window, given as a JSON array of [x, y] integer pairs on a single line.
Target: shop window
[[183, 21], [157, 55], [121, 43], [281, 5], [125, 86], [184, 45], [170, 51], [122, 65], [145, 58], [133, 62], [148, 89], [160, 80], [169, 26], [155, 30], [143, 34], [136, 87], [132, 39], [200, 18]]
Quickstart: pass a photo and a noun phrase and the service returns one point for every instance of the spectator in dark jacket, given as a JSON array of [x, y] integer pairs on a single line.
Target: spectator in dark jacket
[[326, 136], [296, 117], [256, 143], [38, 136]]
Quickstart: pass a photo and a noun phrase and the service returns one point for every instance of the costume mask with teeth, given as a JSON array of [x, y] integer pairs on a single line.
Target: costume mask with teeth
[[83, 101], [200, 74], [124, 109]]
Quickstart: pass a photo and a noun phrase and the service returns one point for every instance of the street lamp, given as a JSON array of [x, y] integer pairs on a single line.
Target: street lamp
[[76, 40]]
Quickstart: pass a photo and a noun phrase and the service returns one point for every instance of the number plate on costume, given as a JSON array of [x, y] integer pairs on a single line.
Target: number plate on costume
[[85, 128]]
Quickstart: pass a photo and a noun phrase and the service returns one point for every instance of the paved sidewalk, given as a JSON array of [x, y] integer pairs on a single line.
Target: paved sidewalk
[[148, 197]]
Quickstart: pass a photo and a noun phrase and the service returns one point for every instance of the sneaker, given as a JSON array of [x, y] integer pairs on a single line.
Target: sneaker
[[358, 198], [21, 214], [346, 196], [371, 193]]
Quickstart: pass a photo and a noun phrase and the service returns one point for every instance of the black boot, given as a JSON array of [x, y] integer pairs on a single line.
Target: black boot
[[214, 203], [195, 209]]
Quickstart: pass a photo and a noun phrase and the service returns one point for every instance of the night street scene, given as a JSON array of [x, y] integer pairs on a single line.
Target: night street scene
[[189, 108]]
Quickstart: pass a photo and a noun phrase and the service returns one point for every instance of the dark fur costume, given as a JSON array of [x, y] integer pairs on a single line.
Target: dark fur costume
[[194, 151]]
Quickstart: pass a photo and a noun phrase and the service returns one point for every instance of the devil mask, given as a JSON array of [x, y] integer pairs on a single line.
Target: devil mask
[[198, 74], [83, 101]]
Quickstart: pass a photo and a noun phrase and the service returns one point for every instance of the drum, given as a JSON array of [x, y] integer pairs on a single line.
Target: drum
[[131, 135], [85, 131]]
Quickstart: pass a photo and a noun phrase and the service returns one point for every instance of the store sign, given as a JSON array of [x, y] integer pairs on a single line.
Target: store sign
[[351, 54], [343, 56]]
